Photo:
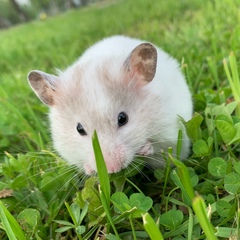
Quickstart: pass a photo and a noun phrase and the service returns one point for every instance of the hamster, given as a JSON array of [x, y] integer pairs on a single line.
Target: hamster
[[130, 91]]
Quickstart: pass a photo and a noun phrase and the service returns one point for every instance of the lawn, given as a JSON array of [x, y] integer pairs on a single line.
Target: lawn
[[43, 198]]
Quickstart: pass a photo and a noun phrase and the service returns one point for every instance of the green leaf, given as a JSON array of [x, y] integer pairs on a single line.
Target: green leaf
[[232, 183], [226, 130], [209, 120], [236, 167], [91, 195], [83, 213], [223, 208], [110, 236], [80, 229], [63, 229], [120, 201], [171, 219], [76, 212], [227, 233], [151, 227], [200, 148], [66, 223], [141, 202], [226, 118], [91, 182], [71, 213], [217, 167], [237, 135], [220, 112], [29, 219], [193, 177], [19, 182], [230, 107], [15, 163], [193, 127], [210, 142]]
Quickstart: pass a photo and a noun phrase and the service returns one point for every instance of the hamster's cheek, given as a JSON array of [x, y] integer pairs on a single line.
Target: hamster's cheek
[[89, 168], [146, 149]]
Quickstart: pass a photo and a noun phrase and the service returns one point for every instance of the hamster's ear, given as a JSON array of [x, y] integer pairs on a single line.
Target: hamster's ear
[[142, 63], [44, 86]]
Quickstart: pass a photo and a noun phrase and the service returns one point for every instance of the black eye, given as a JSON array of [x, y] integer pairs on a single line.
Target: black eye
[[122, 119], [81, 130]]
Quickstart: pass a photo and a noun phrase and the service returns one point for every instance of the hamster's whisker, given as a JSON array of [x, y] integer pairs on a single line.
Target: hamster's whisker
[[65, 184], [158, 160], [139, 170]]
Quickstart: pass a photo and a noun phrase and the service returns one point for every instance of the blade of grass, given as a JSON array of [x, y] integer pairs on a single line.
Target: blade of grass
[[233, 79], [238, 218], [168, 169], [179, 144], [199, 208], [132, 226], [37, 120], [107, 211], [178, 182], [227, 71], [101, 168], [10, 224], [104, 186], [213, 69], [22, 121], [234, 70], [190, 225], [151, 227], [184, 176]]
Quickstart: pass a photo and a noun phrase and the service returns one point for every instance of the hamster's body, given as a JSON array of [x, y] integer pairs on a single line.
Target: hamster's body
[[117, 79]]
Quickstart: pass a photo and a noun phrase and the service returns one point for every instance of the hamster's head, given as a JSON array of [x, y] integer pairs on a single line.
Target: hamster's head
[[110, 96]]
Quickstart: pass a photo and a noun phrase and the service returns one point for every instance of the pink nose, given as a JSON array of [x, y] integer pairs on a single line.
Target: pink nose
[[112, 167]]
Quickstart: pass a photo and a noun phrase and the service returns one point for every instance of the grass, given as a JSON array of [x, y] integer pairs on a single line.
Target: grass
[[39, 193]]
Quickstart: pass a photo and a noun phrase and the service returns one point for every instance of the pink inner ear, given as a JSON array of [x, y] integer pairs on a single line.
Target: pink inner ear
[[133, 79], [138, 70]]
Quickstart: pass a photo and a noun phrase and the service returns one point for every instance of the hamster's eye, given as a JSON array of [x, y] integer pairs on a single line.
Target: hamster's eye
[[81, 130], [122, 119]]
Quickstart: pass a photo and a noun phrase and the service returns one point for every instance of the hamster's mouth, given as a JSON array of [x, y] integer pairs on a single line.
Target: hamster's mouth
[[115, 166], [146, 149]]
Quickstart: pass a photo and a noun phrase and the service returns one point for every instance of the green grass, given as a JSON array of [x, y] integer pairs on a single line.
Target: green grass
[[197, 200]]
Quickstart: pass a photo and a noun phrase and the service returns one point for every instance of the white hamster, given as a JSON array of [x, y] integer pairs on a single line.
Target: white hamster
[[130, 91]]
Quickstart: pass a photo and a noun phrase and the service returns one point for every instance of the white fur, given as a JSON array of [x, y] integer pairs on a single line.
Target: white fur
[[91, 92]]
